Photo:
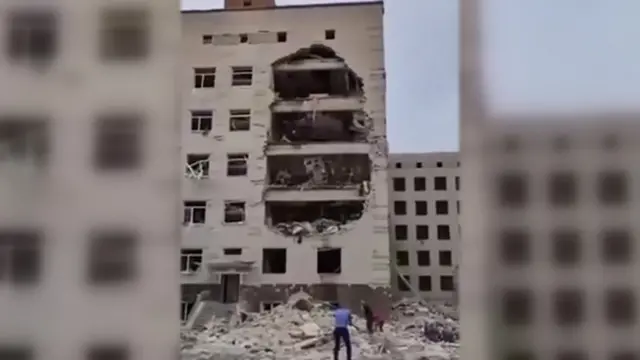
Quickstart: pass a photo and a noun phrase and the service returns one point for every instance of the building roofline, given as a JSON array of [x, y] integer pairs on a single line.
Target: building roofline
[[283, 7]]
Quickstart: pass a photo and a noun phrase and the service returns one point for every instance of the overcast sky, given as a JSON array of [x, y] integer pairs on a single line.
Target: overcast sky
[[540, 54]]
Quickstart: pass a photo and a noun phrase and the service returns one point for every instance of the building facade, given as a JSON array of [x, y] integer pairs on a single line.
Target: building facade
[[89, 180], [424, 232], [284, 142]]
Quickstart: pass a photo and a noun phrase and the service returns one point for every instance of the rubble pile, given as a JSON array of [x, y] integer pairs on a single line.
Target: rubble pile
[[287, 332]]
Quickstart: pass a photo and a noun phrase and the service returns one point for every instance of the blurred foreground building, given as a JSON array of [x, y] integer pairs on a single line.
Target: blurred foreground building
[[89, 180], [285, 153]]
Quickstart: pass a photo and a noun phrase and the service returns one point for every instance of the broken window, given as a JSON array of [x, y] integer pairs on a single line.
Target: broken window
[[445, 258], [274, 261], [241, 76], [613, 187], [125, 34], [201, 121], [190, 260], [399, 184], [329, 34], [118, 142], [442, 207], [185, 309], [237, 164], [421, 207], [401, 232], [33, 35], [234, 212], [424, 258], [204, 77], [16, 352], [269, 305], [233, 251], [20, 256], [195, 212], [440, 183], [446, 283], [400, 207], [108, 352], [197, 166], [293, 83], [282, 37], [207, 39], [419, 183], [112, 257], [23, 140], [443, 232], [402, 258], [239, 120], [422, 232], [329, 261], [319, 126], [312, 218], [402, 282], [326, 171], [424, 283]]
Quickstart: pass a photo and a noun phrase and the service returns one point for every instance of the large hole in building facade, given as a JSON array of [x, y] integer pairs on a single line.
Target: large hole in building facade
[[319, 172], [328, 75], [319, 126], [302, 219]]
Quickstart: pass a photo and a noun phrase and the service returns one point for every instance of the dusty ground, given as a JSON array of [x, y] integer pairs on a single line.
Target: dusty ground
[[287, 333]]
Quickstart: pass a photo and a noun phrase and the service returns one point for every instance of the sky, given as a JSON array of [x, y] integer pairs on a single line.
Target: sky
[[539, 55]]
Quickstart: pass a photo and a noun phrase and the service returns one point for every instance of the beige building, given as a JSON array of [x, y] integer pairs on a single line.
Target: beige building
[[284, 142], [89, 180], [424, 233]]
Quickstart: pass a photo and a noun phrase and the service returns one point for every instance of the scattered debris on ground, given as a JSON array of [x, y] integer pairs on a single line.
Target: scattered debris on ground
[[301, 330]]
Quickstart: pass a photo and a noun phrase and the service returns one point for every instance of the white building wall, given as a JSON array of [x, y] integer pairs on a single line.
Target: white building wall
[[428, 166], [359, 41], [62, 315]]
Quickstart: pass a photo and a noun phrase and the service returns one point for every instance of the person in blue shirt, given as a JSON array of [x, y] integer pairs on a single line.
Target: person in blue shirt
[[341, 331]]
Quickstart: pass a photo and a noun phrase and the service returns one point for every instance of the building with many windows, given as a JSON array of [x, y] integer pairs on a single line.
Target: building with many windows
[[424, 231], [285, 153], [89, 180]]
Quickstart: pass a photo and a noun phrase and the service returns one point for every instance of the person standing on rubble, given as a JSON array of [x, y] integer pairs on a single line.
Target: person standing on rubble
[[368, 316], [341, 331]]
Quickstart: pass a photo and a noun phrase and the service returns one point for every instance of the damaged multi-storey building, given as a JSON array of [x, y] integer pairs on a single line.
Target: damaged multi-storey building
[[285, 144]]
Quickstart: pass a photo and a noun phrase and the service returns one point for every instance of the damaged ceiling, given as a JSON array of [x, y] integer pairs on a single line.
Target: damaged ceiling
[[321, 126]]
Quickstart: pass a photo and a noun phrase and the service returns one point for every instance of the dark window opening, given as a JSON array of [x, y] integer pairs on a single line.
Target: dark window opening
[[617, 246], [282, 215], [118, 142], [424, 258], [108, 352], [421, 207], [400, 207], [201, 121], [620, 307], [204, 78], [440, 183], [233, 251], [33, 35], [445, 258], [512, 190], [244, 38], [282, 37], [329, 261], [329, 34], [234, 212], [568, 307], [274, 261], [566, 247], [399, 184], [442, 207], [446, 283], [207, 39], [112, 257], [516, 307], [613, 188], [439, 164], [24, 139], [401, 232], [419, 165], [562, 189], [246, 3], [444, 232], [422, 232], [419, 183], [398, 165], [402, 258], [402, 282], [20, 256], [190, 260], [125, 34], [457, 180], [240, 120], [237, 164], [424, 283], [515, 247]]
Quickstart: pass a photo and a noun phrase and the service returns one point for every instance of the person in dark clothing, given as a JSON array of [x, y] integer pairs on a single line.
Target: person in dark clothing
[[368, 316], [341, 331]]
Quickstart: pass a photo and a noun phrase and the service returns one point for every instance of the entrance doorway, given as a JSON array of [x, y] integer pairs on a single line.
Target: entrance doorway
[[230, 288]]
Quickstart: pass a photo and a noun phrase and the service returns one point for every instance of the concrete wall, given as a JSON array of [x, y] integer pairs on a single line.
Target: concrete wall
[[429, 166], [70, 198], [359, 41]]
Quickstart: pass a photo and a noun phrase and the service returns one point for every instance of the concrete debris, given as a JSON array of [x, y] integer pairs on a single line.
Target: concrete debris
[[287, 333], [303, 229]]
